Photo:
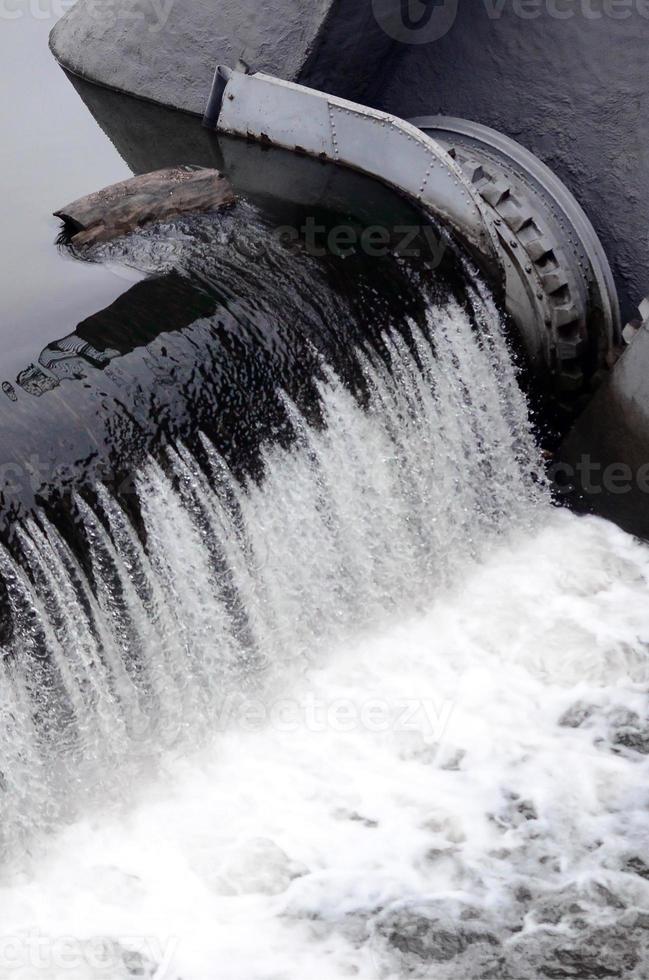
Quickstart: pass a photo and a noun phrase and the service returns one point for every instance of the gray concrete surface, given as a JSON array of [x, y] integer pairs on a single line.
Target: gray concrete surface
[[166, 50], [603, 464]]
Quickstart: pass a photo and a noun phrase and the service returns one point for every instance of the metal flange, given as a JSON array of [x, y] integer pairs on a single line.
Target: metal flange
[[560, 289]]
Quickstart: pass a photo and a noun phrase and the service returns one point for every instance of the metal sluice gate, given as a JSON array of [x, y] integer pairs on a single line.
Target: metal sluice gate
[[522, 226]]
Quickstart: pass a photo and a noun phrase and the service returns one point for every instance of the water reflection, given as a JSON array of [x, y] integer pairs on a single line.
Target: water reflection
[[51, 151], [140, 315], [146, 135]]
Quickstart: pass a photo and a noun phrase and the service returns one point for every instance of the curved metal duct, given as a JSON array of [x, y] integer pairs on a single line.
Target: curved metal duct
[[528, 234]]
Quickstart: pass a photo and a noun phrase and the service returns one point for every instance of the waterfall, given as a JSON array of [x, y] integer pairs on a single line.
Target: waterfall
[[369, 706], [130, 649]]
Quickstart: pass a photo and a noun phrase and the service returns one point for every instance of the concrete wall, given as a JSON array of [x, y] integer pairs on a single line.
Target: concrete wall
[[166, 50], [569, 80], [603, 465]]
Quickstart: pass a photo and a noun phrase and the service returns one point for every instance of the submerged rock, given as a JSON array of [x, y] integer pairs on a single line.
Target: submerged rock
[[610, 951], [577, 714], [156, 196], [259, 866], [439, 932]]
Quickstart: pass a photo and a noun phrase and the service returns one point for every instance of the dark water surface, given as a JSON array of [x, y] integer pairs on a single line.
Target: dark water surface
[[51, 152]]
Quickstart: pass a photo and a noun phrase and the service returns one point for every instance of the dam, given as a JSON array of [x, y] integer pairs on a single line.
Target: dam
[[311, 664]]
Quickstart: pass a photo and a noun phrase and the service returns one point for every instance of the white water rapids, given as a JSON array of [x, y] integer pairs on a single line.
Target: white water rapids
[[383, 715]]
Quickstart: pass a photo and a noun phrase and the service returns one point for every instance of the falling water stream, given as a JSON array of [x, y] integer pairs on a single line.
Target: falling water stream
[[303, 673], [234, 586], [377, 711]]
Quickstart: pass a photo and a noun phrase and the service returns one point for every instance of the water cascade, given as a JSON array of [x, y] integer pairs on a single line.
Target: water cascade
[[228, 585], [324, 706]]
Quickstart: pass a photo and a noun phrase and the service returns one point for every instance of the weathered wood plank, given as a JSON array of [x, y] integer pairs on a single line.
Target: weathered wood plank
[[120, 208]]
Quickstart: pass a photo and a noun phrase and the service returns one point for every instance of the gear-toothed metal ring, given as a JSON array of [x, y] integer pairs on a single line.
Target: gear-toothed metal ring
[[559, 286]]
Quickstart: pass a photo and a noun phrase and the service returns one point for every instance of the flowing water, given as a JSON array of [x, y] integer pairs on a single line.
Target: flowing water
[[302, 672], [380, 712]]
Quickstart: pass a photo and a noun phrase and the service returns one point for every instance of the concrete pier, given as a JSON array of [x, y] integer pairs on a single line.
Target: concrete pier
[[603, 464], [166, 50]]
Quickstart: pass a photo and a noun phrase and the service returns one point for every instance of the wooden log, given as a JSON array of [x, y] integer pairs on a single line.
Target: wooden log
[[156, 196]]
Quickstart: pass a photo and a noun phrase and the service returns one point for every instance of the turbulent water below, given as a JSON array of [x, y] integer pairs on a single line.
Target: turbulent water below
[[380, 714]]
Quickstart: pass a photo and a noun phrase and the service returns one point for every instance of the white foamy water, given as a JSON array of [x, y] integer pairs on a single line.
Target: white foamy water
[[382, 716]]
